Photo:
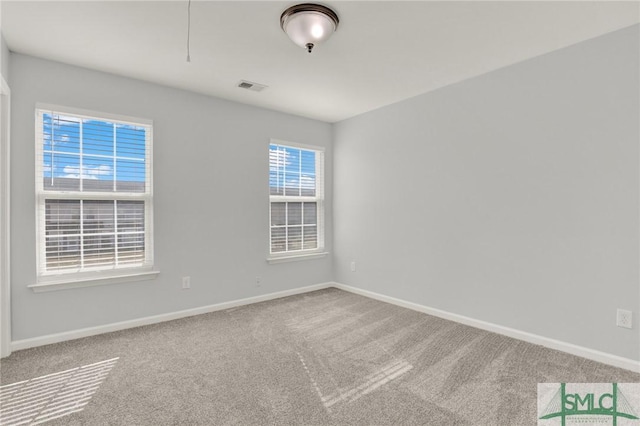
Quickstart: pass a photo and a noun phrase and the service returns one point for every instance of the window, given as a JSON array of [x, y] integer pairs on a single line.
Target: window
[[296, 195], [94, 194]]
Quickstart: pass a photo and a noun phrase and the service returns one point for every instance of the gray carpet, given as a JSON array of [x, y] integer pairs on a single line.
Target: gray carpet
[[327, 357]]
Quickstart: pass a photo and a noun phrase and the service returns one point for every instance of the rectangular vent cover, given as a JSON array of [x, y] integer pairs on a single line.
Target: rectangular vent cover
[[256, 87]]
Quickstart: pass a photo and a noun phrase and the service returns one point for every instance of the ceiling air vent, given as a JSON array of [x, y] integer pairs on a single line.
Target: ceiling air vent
[[256, 87]]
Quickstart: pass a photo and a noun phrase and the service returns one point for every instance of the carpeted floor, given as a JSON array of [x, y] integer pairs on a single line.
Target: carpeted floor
[[326, 357]]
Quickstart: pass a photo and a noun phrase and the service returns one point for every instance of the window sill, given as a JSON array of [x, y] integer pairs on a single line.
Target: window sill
[[296, 257], [56, 283]]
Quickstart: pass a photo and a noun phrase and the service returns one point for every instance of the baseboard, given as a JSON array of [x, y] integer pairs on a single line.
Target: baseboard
[[107, 328], [572, 349], [594, 355]]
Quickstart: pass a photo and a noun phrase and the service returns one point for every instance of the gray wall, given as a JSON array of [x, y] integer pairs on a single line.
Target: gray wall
[[211, 199], [510, 198]]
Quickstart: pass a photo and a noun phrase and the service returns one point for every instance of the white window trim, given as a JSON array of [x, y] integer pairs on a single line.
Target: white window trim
[[53, 283], [319, 252], [297, 257], [55, 280]]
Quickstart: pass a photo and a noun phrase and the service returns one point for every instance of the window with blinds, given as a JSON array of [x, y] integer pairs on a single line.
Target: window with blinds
[[296, 193], [94, 193]]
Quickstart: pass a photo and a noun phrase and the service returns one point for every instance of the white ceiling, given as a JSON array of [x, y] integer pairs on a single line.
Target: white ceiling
[[383, 52]]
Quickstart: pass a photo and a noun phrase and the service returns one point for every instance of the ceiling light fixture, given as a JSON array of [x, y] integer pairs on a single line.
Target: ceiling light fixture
[[308, 24]]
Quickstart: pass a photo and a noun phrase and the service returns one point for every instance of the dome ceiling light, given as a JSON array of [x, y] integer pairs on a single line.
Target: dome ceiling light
[[309, 24]]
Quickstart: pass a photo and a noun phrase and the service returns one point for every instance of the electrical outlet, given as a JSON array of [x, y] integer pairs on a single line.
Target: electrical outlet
[[353, 266], [624, 318], [186, 283], [258, 281]]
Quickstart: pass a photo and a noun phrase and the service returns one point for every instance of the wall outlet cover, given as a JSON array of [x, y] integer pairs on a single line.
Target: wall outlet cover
[[186, 283], [624, 318]]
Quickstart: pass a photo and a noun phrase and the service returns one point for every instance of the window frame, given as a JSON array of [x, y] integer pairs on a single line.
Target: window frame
[[91, 276], [319, 199]]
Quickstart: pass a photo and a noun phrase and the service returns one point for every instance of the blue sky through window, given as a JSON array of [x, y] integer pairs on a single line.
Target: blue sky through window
[[89, 150], [292, 171]]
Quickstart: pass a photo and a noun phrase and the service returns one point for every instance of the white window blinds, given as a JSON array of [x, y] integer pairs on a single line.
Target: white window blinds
[[296, 192], [94, 192]]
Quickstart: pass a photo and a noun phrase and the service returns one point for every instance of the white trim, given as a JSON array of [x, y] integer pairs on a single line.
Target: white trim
[[297, 145], [98, 115], [581, 351], [5, 234], [108, 328], [295, 257], [86, 276], [569, 348], [57, 283], [79, 195], [318, 199]]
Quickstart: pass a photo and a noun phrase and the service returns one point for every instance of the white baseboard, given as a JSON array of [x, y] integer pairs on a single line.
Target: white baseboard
[[92, 331], [569, 348], [572, 349]]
